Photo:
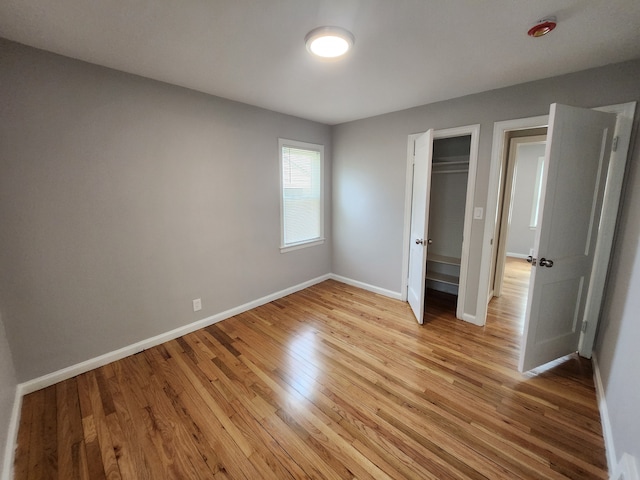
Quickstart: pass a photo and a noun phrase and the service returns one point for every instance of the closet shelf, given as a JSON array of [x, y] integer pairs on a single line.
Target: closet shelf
[[452, 160], [434, 257], [450, 164], [437, 172], [442, 278], [441, 164]]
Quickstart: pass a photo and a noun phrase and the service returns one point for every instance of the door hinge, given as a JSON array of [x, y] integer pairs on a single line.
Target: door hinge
[[584, 327], [614, 145]]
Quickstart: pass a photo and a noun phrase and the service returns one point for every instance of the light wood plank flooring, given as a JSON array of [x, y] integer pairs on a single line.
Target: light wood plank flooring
[[332, 383]]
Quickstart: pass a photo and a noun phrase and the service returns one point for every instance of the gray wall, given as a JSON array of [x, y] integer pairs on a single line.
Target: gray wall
[[369, 163], [521, 237], [618, 341], [7, 392], [122, 199]]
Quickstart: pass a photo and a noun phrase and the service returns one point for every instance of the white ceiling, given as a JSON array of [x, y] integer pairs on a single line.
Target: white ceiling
[[407, 52]]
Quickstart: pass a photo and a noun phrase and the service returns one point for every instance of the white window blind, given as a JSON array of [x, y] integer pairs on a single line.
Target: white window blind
[[302, 216]]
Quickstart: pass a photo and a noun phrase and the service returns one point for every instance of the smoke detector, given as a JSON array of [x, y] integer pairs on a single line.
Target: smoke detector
[[543, 27]]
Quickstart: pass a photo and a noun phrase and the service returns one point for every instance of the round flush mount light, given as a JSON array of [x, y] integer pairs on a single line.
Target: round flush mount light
[[329, 42], [543, 27]]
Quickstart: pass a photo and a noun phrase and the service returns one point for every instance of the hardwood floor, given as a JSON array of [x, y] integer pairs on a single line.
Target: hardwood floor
[[331, 382]]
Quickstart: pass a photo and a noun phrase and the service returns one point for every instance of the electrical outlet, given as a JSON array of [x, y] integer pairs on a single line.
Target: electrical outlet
[[197, 305]]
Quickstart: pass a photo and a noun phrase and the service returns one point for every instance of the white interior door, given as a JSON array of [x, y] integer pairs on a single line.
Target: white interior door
[[575, 170], [419, 223]]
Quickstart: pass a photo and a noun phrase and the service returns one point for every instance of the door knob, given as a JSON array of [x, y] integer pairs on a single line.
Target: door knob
[[419, 241], [429, 241], [546, 263], [531, 260]]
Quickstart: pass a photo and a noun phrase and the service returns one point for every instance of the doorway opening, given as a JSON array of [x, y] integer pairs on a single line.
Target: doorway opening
[[517, 216], [449, 178], [441, 174]]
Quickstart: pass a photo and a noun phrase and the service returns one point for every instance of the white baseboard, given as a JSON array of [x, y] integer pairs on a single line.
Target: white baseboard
[[517, 255], [82, 367], [12, 436], [604, 416], [96, 362], [471, 319], [627, 466], [627, 469], [366, 286]]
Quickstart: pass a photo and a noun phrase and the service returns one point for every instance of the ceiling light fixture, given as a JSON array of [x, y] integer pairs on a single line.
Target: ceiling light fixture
[[543, 27], [329, 42]]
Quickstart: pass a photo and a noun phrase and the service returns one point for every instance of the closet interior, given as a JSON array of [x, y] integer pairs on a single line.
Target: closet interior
[[448, 193]]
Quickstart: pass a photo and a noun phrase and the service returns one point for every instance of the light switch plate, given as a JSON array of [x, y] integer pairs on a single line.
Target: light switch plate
[[478, 212]]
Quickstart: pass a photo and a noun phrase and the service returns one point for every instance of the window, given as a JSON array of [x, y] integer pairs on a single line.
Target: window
[[301, 199]]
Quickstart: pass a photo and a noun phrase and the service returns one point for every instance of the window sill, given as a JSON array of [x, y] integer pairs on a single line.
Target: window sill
[[298, 246]]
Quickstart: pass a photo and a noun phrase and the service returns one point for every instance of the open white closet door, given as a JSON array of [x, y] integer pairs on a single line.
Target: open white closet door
[[419, 223], [575, 170]]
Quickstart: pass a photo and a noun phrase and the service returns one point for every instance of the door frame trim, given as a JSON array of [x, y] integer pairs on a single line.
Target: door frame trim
[[474, 132], [608, 221], [498, 150]]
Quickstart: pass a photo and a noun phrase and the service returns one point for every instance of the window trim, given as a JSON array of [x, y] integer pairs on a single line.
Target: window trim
[[282, 142]]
